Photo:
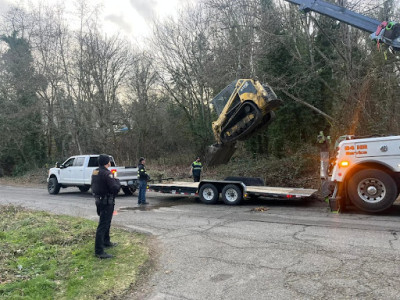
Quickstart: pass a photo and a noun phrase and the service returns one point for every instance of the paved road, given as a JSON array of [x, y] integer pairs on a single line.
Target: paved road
[[292, 250]]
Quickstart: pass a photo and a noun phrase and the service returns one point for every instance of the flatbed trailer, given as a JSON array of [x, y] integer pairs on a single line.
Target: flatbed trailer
[[232, 192]]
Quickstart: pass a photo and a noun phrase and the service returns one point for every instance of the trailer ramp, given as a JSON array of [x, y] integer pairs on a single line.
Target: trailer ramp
[[278, 192]]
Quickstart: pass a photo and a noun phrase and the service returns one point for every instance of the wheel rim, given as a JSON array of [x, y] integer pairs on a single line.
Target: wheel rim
[[208, 194], [231, 195], [371, 190], [51, 185]]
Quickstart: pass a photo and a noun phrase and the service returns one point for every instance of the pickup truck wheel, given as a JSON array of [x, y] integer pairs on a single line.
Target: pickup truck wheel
[[53, 186], [84, 188], [372, 190], [232, 194], [128, 191], [208, 194]]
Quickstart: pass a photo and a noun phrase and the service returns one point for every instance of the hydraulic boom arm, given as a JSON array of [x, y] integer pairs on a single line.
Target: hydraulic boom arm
[[386, 32]]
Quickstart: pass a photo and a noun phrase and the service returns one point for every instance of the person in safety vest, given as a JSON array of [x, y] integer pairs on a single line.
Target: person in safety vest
[[196, 169], [104, 187]]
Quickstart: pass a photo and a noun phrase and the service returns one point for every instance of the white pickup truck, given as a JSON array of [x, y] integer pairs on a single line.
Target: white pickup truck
[[77, 171]]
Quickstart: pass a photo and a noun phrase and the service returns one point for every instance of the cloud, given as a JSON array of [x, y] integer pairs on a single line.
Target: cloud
[[4, 5], [120, 21], [146, 8]]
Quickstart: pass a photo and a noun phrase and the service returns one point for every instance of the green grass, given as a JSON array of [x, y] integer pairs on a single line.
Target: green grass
[[45, 256]]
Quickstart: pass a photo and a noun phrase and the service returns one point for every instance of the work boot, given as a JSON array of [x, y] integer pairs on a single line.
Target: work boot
[[104, 255], [111, 244], [145, 203]]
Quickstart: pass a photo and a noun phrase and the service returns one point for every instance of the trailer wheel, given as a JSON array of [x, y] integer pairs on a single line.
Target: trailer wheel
[[232, 194], [208, 194], [372, 190], [84, 188], [53, 186]]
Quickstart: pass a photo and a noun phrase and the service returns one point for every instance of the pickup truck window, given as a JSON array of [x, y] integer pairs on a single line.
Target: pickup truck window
[[69, 162], [79, 161], [93, 162]]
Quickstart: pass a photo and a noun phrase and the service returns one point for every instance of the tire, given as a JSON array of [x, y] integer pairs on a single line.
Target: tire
[[53, 186], [84, 188], [127, 190], [372, 190], [208, 194], [232, 194]]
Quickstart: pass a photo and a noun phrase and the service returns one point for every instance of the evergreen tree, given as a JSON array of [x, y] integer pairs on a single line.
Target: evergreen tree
[[20, 121]]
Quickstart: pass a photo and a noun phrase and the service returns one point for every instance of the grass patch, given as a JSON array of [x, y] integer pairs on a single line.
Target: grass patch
[[45, 256]]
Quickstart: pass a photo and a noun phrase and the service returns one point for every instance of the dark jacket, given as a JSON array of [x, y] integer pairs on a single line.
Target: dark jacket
[[104, 183], [142, 175]]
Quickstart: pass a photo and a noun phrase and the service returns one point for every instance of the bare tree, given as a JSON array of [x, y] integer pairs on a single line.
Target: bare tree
[[182, 55]]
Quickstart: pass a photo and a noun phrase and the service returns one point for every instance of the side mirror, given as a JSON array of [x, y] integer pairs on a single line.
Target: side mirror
[[58, 165]]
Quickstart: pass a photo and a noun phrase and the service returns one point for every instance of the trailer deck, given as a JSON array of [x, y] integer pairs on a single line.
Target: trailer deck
[[205, 187]]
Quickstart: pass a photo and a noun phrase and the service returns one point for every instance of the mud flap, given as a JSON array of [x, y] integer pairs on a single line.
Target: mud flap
[[337, 202], [218, 154], [334, 205]]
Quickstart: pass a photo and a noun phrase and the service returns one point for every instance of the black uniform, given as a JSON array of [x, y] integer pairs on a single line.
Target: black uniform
[[104, 187], [143, 177]]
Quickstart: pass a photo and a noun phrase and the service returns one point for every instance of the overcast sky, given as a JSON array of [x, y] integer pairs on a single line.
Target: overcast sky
[[129, 17]]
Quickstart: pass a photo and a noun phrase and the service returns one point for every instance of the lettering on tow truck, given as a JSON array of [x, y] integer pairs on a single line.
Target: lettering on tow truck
[[350, 150], [359, 148], [362, 147], [356, 152]]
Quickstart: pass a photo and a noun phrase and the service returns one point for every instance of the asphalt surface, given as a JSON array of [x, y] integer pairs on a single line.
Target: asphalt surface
[[261, 250]]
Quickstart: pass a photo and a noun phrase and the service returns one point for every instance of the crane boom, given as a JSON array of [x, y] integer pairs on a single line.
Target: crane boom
[[385, 32], [339, 13]]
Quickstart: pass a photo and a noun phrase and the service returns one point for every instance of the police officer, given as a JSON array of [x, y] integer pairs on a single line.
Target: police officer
[[143, 177], [104, 188], [196, 169]]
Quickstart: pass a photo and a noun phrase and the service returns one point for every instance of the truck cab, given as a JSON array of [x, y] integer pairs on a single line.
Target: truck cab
[[366, 173]]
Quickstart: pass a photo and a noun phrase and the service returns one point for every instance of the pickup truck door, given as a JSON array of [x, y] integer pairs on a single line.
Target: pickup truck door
[[93, 163], [66, 171], [77, 170]]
